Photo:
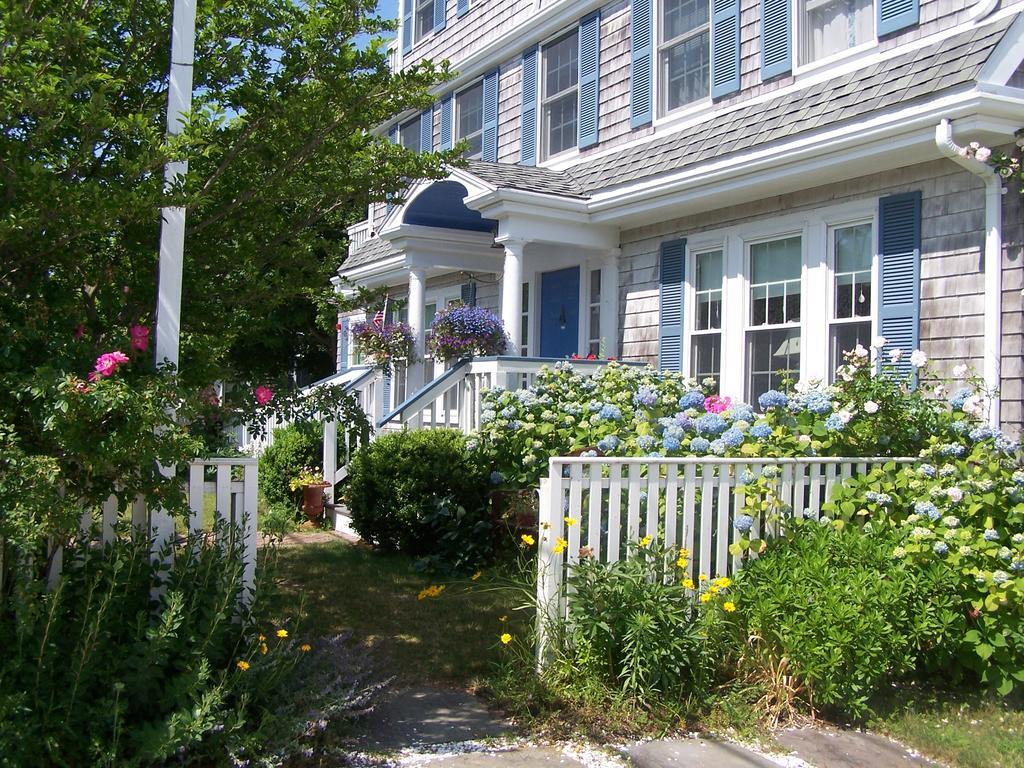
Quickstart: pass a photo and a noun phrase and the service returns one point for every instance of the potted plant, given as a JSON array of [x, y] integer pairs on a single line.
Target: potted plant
[[312, 483], [384, 343], [460, 331]]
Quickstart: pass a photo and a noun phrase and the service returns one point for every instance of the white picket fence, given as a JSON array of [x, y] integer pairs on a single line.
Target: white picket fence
[[234, 487], [683, 503]]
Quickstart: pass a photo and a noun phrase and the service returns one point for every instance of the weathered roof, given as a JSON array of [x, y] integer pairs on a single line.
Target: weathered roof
[[528, 178], [908, 77], [368, 251]]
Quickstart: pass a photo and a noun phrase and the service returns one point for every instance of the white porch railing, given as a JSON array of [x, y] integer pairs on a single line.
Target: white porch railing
[[688, 503], [233, 489]]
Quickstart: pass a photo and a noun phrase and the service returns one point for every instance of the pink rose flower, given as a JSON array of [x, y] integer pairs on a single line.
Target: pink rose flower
[[107, 364], [263, 395], [140, 338], [79, 331], [716, 404]]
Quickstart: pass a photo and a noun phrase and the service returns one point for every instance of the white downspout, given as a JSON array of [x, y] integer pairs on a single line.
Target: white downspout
[[992, 352]]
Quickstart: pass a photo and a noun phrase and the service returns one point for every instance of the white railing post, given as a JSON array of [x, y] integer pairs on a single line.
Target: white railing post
[[249, 514], [549, 564], [330, 458]]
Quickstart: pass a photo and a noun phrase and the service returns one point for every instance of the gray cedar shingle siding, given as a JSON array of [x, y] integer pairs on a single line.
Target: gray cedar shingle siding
[[486, 21], [906, 77], [1012, 411]]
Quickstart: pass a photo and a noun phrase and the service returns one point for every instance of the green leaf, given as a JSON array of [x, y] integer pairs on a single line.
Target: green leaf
[[984, 650]]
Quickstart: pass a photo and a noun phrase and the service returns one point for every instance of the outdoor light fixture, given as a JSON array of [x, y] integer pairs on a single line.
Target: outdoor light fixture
[[561, 318]]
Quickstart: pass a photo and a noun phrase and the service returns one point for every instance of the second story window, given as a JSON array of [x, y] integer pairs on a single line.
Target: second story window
[[685, 52], [424, 22], [409, 134], [560, 81], [828, 27], [469, 119]]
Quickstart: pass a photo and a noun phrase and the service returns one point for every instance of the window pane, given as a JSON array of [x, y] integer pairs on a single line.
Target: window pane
[[832, 26], [769, 354], [595, 286], [409, 135], [687, 71], [560, 116], [775, 260], [595, 323], [709, 310], [844, 337], [709, 271], [561, 65], [681, 16], [853, 248], [707, 356], [424, 18], [470, 108]]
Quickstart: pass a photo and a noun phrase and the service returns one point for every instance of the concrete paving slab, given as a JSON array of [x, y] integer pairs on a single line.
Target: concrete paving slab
[[527, 757], [695, 753], [425, 715], [832, 748]]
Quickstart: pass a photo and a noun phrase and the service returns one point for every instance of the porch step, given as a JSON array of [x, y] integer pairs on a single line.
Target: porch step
[[340, 519]]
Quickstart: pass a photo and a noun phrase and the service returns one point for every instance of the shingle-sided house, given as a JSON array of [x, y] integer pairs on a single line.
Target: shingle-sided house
[[729, 188]]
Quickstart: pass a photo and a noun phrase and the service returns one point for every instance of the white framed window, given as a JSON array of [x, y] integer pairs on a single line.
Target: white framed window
[[469, 119], [594, 313], [706, 330], [560, 77], [851, 258], [774, 314], [424, 21], [684, 53], [409, 134], [829, 27]]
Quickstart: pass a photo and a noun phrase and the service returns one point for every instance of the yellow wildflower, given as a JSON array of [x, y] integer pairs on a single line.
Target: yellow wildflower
[[243, 665], [571, 521], [646, 540], [702, 577], [682, 562], [262, 638], [475, 576], [506, 639], [528, 540], [724, 582], [282, 633], [305, 647], [684, 552], [560, 545], [433, 590], [729, 607], [263, 648], [687, 583], [705, 598], [713, 590]]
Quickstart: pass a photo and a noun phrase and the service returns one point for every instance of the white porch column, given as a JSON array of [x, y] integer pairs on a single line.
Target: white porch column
[[610, 302], [417, 289], [512, 294]]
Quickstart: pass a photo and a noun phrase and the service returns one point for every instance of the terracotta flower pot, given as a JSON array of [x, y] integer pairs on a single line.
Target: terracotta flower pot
[[313, 501]]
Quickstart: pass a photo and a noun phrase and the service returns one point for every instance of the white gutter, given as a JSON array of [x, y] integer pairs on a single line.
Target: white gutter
[[992, 352]]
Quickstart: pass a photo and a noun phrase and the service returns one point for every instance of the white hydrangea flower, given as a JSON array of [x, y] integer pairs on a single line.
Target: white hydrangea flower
[[870, 406], [895, 355], [879, 342], [973, 406], [983, 153], [918, 358], [955, 494], [960, 370]]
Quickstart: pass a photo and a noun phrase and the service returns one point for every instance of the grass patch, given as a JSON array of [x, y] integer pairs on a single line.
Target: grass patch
[[451, 639], [961, 729]]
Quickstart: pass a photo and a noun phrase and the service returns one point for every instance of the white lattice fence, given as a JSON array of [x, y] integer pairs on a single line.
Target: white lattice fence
[[686, 503]]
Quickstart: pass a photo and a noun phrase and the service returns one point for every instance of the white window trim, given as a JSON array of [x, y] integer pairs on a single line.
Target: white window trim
[[661, 94], [455, 117], [801, 67], [543, 98], [816, 270]]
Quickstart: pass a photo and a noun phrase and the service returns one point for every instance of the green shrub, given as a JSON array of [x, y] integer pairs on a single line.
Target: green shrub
[[827, 617], [423, 494], [295, 446], [634, 626]]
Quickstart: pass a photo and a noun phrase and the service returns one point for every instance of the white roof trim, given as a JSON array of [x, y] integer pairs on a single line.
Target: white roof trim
[[1006, 57]]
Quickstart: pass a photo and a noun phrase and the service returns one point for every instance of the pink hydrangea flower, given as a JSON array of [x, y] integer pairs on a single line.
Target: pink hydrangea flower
[[140, 337], [107, 364], [716, 404], [263, 395]]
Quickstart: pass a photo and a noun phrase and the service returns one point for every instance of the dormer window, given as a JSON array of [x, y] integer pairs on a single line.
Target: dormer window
[[685, 52], [424, 18], [829, 27], [560, 81], [469, 119]]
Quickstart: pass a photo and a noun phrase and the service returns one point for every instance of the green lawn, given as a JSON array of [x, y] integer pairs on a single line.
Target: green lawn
[[961, 730], [453, 638]]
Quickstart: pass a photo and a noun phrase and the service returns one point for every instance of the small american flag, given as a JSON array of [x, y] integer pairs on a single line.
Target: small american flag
[[378, 319]]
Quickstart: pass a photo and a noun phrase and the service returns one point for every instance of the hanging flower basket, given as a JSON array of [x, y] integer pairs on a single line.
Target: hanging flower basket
[[387, 345], [460, 332]]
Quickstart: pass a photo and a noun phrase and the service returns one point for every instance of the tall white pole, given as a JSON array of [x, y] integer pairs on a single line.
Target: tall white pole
[[172, 223]]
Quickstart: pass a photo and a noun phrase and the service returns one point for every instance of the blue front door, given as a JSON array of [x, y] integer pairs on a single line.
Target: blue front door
[[559, 312]]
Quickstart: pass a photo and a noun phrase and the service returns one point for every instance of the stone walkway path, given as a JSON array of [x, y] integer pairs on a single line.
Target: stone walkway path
[[441, 728]]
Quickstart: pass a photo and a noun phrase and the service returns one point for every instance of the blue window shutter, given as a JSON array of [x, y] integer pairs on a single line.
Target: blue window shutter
[[462, 8], [670, 305], [776, 38], [899, 249], [725, 47], [468, 291], [489, 138], [894, 15], [641, 39], [407, 26], [447, 104], [590, 78], [385, 392], [343, 345], [440, 7], [393, 138], [528, 134], [427, 131]]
